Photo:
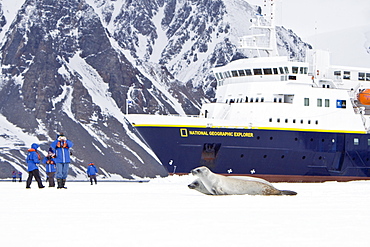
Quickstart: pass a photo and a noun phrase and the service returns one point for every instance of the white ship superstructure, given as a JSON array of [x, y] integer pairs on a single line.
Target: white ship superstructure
[[273, 92]]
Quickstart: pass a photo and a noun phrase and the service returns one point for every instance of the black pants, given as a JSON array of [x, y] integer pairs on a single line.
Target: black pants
[[35, 173], [51, 179], [93, 177]]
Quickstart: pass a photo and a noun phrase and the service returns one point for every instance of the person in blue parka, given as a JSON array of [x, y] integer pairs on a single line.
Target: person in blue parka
[[91, 172], [33, 159], [20, 176], [50, 167], [62, 151], [14, 176]]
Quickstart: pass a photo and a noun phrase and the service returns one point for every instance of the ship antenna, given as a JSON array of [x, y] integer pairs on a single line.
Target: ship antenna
[[264, 26]]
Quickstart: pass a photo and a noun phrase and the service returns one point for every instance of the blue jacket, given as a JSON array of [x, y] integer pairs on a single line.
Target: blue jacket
[[33, 158], [62, 152], [50, 167], [91, 170]]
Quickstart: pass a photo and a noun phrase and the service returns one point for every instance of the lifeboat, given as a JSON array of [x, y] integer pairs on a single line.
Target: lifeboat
[[364, 97]]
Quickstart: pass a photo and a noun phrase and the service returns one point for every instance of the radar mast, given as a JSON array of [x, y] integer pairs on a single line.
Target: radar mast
[[263, 29]]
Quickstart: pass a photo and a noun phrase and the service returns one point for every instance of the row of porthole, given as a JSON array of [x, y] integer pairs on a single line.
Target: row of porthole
[[356, 140], [294, 121], [283, 156], [295, 139]]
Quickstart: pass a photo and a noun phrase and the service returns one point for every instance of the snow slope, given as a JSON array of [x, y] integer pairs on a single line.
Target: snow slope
[[164, 212]]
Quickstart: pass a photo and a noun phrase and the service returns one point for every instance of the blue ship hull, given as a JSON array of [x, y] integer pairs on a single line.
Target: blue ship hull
[[261, 152]]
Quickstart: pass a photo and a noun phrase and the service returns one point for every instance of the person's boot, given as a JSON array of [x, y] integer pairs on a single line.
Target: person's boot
[[64, 184], [51, 183], [60, 183]]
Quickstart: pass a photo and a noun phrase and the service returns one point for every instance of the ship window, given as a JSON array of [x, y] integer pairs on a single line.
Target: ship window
[[280, 100], [246, 99], [251, 100], [225, 75], [292, 77], [293, 120], [267, 71], [262, 99], [248, 72], [356, 141], [275, 100], [295, 70], [278, 120], [276, 71], [327, 103], [286, 120], [281, 70], [303, 70], [368, 76], [257, 71], [361, 76], [338, 73], [309, 121], [228, 74], [234, 73], [316, 122], [270, 120], [217, 76], [241, 72], [319, 102], [368, 142], [301, 121], [256, 99], [346, 75], [306, 101], [286, 70]]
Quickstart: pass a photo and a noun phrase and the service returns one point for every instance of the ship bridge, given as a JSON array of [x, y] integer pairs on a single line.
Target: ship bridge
[[258, 79]]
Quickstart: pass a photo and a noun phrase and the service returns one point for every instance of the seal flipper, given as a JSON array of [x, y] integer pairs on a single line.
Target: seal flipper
[[217, 191], [288, 192]]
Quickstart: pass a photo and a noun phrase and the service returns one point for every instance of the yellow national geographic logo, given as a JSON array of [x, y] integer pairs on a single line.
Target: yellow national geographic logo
[[186, 133]]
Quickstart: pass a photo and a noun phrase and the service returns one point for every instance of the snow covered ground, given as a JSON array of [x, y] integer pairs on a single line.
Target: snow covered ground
[[164, 212]]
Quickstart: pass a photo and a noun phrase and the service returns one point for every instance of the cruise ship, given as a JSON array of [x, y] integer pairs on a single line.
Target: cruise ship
[[274, 118]]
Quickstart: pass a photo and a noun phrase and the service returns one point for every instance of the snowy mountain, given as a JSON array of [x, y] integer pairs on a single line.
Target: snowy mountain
[[71, 66], [352, 49]]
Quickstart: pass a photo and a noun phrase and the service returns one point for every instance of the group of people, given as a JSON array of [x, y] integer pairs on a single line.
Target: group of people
[[56, 163], [17, 174]]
